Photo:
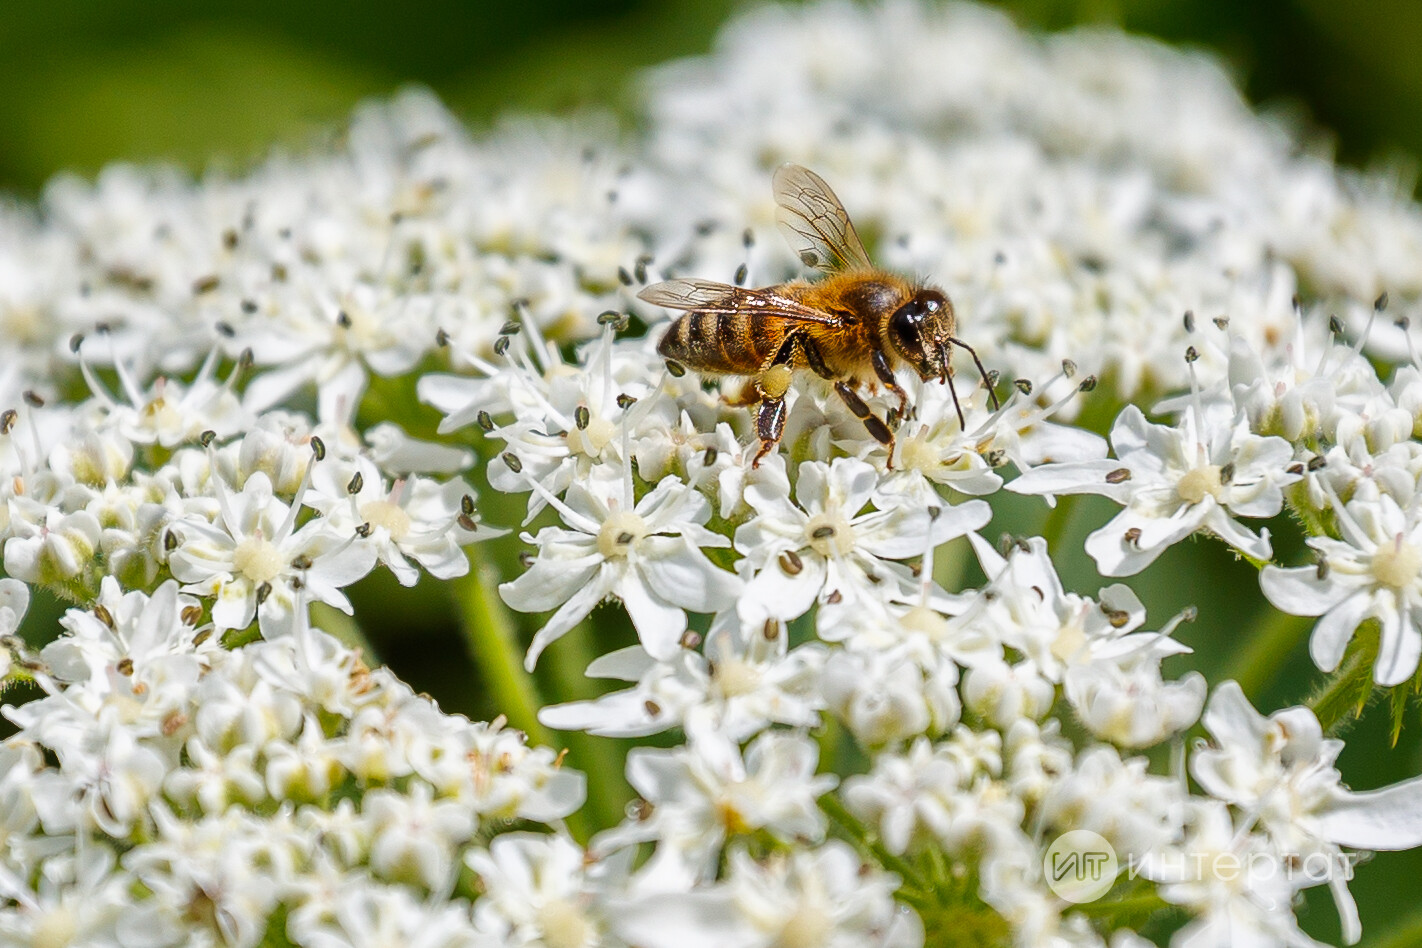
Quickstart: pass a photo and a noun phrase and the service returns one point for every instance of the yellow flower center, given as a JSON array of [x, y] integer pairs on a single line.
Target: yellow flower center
[[927, 622], [829, 534], [1070, 640], [809, 927], [619, 532], [258, 559], [734, 677], [383, 513], [1397, 564], [917, 454], [564, 925], [596, 436], [1199, 483]]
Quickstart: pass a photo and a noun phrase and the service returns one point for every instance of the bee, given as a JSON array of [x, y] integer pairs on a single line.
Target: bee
[[855, 326]]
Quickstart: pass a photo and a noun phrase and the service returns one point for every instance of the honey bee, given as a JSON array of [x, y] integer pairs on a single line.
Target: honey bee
[[855, 326]]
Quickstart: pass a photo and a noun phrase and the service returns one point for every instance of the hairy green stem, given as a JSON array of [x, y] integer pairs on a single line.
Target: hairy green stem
[[1344, 693]]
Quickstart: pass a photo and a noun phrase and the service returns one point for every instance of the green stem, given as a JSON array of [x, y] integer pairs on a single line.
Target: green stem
[[1343, 693], [829, 737], [343, 627], [597, 757], [1257, 663], [1132, 906], [1054, 528], [493, 646], [836, 811]]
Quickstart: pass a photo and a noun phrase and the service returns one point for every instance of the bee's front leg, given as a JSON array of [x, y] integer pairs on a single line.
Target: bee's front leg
[[885, 372], [876, 426]]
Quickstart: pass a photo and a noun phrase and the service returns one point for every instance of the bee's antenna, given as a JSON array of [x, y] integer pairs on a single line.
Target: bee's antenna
[[987, 379], [952, 389]]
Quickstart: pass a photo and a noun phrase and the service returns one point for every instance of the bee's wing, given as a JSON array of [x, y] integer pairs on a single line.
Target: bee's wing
[[707, 296], [814, 222]]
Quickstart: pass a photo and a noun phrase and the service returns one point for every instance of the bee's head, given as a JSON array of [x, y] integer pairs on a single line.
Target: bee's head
[[919, 332]]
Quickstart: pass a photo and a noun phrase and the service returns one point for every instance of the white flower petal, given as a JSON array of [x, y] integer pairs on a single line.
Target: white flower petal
[[1330, 637], [1385, 819], [1299, 591], [582, 602]]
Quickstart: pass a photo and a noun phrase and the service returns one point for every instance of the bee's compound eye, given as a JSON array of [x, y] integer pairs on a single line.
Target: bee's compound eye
[[906, 323]]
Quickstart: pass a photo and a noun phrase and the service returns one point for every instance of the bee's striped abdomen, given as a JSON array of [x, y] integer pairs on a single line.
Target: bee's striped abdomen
[[726, 343]]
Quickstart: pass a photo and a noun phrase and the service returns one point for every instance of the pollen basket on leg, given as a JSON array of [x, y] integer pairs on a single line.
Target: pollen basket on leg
[[775, 381]]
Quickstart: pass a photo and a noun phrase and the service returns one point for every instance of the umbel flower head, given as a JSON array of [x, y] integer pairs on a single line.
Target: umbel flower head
[[858, 718]]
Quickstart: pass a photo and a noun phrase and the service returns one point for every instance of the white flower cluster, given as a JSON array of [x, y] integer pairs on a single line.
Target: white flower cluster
[[168, 791], [208, 422]]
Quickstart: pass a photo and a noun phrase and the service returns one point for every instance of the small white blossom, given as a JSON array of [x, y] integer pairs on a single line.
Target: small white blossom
[[708, 792], [647, 554], [1173, 482], [827, 546], [1374, 572], [746, 679], [255, 556], [1279, 772]]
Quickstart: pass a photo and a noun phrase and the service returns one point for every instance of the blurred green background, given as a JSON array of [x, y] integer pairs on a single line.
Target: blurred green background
[[85, 82]]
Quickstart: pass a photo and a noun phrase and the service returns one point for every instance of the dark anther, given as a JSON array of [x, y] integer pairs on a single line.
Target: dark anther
[[791, 563]]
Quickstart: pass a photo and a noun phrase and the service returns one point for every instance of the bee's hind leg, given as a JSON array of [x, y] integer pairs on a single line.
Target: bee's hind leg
[[748, 394], [876, 426], [769, 426]]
